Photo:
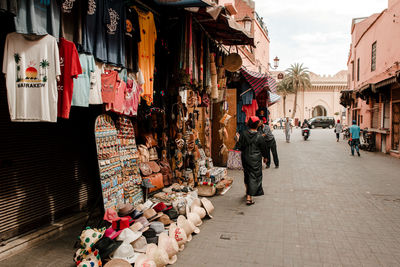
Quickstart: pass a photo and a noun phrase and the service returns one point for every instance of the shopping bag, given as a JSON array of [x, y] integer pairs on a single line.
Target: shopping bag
[[234, 160]]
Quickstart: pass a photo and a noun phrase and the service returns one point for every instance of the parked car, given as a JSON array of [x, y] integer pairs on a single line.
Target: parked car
[[324, 122], [275, 123]]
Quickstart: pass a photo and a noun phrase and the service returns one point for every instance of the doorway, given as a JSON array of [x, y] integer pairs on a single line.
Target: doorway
[[319, 111]]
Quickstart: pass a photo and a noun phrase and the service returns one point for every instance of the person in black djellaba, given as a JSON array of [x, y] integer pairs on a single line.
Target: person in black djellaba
[[253, 147]]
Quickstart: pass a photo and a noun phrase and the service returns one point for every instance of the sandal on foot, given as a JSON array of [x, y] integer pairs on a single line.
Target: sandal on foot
[[250, 202]]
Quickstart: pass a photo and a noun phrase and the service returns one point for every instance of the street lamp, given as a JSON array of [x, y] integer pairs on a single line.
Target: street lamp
[[247, 21], [276, 63]]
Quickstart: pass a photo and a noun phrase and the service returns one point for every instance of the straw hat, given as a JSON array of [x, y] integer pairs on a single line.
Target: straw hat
[[195, 219], [200, 211], [195, 203], [144, 261], [125, 209], [157, 254], [165, 220], [117, 263], [151, 214], [170, 245], [128, 236], [187, 226], [208, 206], [179, 235], [125, 252], [233, 62], [140, 245], [138, 227]]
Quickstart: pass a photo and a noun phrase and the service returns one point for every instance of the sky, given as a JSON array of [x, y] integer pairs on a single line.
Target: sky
[[313, 32]]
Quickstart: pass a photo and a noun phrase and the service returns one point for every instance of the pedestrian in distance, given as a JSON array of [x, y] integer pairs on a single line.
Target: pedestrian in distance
[[271, 145], [338, 130], [288, 129], [252, 145], [354, 138], [280, 123]]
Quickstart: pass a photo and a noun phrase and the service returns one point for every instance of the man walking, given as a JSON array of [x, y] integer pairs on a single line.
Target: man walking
[[288, 129], [355, 138], [271, 145], [338, 130]]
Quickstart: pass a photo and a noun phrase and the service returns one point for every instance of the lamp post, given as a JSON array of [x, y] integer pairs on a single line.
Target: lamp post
[[276, 63], [247, 21]]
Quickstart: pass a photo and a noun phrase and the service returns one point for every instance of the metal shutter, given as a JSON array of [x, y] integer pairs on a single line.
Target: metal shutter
[[375, 115], [47, 170]]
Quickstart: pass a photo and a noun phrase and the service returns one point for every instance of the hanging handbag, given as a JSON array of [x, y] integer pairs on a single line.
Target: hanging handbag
[[153, 154], [234, 160], [150, 140], [155, 168], [156, 180], [145, 169], [166, 171], [144, 153]]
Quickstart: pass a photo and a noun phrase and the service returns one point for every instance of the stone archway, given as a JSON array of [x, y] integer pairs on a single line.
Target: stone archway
[[319, 111]]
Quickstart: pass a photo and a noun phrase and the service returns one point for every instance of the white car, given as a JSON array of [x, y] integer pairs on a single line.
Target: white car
[[275, 123]]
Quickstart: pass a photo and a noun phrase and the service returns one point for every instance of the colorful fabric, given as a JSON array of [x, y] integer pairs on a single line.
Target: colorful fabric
[[259, 81], [250, 110], [234, 160], [70, 68], [80, 96], [146, 47]]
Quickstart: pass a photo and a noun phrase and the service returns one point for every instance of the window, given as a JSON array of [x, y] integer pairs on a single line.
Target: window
[[373, 57], [352, 70], [358, 69]]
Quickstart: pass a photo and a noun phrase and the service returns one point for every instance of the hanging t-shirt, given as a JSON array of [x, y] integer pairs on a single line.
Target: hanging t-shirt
[[132, 37], [119, 98], [9, 6], [38, 17], [71, 20], [70, 69], [109, 80], [132, 97], [115, 31], [93, 32], [81, 93], [31, 69], [250, 110], [95, 85], [146, 47]]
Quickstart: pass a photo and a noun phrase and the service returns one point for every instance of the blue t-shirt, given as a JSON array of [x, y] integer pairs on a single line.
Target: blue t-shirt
[[355, 131], [80, 96]]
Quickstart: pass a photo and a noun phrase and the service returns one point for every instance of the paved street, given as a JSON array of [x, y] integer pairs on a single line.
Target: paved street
[[321, 208]]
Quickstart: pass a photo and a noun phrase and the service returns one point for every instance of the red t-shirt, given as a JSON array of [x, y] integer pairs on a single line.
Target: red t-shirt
[[109, 83], [119, 98], [250, 110], [70, 68]]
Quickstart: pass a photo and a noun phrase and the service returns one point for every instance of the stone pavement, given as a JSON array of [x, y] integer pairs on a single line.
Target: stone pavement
[[322, 207]]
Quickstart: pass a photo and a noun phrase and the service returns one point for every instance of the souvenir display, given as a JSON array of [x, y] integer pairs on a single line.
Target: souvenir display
[[110, 166], [129, 156]]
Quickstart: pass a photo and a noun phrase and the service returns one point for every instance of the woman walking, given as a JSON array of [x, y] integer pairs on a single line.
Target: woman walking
[[288, 129], [253, 147], [338, 130]]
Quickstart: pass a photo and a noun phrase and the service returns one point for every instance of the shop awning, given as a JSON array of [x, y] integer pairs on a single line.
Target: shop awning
[[273, 98], [184, 3], [259, 81], [222, 27]]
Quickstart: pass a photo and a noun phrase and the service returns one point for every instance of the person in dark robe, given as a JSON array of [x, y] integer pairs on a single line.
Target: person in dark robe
[[253, 147]]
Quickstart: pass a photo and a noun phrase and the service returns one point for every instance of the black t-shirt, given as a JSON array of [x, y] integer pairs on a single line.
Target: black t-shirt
[[94, 30], [132, 38], [71, 21], [115, 31]]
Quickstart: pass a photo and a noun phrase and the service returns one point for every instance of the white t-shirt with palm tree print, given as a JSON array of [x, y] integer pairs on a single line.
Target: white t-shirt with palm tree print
[[31, 68]]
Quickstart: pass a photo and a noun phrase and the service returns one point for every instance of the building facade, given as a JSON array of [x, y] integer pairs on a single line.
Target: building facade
[[322, 99], [373, 100]]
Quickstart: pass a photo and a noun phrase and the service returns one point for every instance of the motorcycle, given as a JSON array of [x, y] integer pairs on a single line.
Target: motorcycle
[[305, 132]]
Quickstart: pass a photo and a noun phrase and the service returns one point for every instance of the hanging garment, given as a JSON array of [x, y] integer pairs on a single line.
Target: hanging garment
[[250, 110], [148, 37], [71, 20], [31, 68], [80, 96], [70, 69], [119, 98], [115, 23], [93, 33], [95, 85], [109, 80], [132, 38], [132, 97], [38, 17]]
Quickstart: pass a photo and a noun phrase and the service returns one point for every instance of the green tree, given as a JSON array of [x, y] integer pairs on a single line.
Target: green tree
[[44, 64], [17, 59], [299, 77], [285, 88]]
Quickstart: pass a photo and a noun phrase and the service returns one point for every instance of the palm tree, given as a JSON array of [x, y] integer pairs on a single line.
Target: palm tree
[[44, 64], [17, 59], [285, 87], [299, 77]]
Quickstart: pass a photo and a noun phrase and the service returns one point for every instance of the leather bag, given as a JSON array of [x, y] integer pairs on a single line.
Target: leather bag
[[157, 181], [145, 169], [150, 141], [153, 154], [144, 153], [155, 168], [166, 171]]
